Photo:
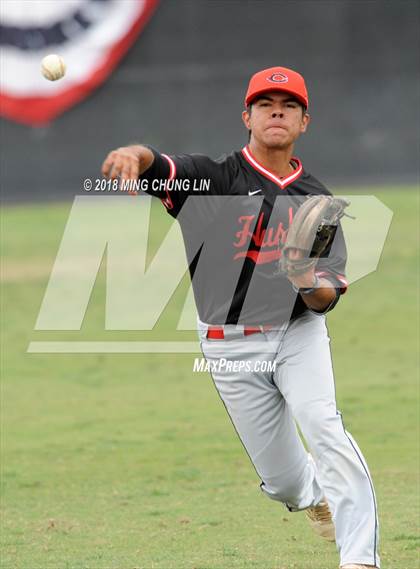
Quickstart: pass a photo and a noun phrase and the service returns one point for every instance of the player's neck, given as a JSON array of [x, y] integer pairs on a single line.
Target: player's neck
[[275, 160]]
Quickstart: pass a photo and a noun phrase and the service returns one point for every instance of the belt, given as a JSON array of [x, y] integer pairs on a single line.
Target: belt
[[217, 332]]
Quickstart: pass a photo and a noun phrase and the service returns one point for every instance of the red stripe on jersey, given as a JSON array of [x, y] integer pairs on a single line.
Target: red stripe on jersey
[[282, 183], [167, 202], [345, 283], [339, 278], [259, 257]]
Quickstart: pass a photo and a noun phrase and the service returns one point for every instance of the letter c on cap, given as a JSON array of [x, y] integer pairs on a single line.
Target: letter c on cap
[[278, 78]]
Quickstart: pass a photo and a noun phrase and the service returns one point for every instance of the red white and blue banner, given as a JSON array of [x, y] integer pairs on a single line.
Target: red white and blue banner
[[90, 35]]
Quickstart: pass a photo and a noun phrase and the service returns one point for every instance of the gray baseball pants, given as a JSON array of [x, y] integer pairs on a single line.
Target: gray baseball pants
[[265, 406]]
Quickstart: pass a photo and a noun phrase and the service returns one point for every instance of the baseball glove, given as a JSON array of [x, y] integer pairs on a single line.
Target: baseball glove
[[312, 232]]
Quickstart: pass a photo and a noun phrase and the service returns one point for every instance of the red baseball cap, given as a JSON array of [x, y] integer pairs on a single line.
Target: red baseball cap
[[277, 79]]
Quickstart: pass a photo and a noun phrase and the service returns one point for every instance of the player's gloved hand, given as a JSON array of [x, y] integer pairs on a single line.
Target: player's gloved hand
[[310, 235], [127, 162]]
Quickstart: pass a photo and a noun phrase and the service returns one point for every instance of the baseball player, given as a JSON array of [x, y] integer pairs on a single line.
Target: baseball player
[[251, 314]]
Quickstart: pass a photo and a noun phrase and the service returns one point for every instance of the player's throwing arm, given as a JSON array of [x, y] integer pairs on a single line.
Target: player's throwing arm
[[127, 162]]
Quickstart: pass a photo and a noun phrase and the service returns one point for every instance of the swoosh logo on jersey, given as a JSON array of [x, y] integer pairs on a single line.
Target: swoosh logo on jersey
[[253, 193]]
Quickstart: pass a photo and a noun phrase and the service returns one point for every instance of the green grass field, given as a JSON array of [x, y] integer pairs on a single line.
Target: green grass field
[[129, 461]]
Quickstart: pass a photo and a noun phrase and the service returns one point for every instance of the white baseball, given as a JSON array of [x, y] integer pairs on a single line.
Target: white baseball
[[53, 67]]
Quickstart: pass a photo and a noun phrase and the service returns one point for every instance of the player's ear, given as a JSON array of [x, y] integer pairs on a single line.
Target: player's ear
[[306, 119], [246, 117]]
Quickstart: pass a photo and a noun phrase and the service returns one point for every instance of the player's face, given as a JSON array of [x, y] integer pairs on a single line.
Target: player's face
[[276, 120]]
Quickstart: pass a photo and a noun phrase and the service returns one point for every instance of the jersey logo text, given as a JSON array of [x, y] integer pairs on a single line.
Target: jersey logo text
[[270, 238]]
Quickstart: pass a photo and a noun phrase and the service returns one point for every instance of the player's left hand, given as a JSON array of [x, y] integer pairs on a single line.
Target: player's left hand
[[306, 279]]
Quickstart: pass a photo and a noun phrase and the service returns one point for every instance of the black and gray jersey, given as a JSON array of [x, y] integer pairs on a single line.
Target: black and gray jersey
[[234, 215]]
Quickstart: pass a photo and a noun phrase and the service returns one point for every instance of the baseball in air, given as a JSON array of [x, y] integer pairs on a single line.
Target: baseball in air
[[53, 67]]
